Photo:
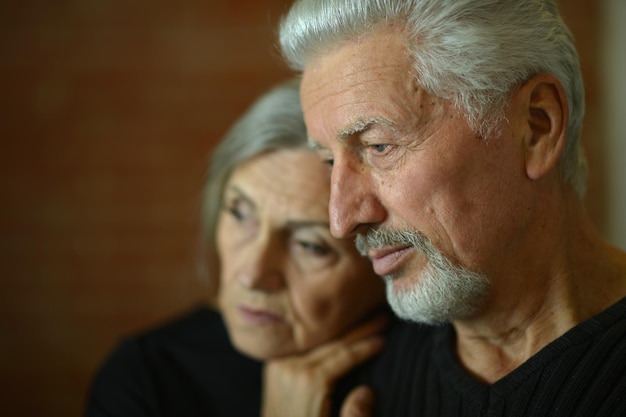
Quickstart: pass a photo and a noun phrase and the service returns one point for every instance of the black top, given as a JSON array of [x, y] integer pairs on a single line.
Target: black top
[[580, 374], [185, 368], [189, 368]]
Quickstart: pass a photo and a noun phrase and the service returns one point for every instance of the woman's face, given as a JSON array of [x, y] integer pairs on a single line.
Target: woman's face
[[286, 284]]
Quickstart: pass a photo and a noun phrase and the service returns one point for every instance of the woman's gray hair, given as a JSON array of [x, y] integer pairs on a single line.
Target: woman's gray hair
[[471, 52], [273, 122]]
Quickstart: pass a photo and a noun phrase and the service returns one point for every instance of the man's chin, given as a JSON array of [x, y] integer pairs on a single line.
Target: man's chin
[[406, 296], [403, 279], [399, 284]]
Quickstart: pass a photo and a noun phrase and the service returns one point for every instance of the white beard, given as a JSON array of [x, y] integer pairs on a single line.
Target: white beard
[[444, 291], [439, 296]]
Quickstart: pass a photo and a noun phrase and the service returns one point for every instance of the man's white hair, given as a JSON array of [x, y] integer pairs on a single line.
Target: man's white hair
[[471, 52]]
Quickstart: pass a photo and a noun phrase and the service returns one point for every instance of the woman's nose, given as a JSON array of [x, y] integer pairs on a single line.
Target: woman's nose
[[354, 204], [263, 266]]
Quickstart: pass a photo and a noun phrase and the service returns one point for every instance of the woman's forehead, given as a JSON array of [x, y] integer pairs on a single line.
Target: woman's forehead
[[295, 180]]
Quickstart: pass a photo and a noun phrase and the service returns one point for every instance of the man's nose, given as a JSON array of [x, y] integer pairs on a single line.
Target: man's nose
[[264, 265], [354, 203]]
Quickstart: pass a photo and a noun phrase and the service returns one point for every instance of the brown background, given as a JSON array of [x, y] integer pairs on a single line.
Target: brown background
[[108, 111]]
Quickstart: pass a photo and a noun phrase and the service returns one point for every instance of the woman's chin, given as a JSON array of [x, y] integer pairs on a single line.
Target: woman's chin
[[260, 350]]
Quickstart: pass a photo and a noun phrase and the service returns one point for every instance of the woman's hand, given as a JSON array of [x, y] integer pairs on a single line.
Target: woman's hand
[[302, 385]]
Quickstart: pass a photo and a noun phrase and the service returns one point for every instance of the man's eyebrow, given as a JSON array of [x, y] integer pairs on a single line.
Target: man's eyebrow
[[361, 126], [355, 128]]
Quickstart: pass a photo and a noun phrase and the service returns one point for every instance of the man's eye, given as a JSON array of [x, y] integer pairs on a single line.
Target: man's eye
[[329, 161], [379, 148]]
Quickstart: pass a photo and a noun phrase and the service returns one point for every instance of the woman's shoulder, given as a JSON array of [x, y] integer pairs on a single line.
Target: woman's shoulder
[[183, 363], [199, 324], [187, 334]]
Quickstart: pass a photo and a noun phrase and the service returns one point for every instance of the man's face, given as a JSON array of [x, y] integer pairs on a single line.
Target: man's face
[[405, 161]]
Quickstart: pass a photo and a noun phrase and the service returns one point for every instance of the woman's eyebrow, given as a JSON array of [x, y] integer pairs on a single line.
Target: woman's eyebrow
[[301, 224], [312, 144], [241, 194]]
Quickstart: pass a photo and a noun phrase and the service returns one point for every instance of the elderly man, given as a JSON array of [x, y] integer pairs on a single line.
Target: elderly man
[[452, 128]]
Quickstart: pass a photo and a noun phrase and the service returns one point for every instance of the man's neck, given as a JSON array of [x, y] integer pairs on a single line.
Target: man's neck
[[570, 280]]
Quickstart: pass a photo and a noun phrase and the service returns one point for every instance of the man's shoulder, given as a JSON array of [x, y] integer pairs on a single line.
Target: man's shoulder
[[402, 330], [407, 342]]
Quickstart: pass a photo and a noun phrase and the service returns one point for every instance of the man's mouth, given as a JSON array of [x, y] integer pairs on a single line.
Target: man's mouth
[[387, 260]]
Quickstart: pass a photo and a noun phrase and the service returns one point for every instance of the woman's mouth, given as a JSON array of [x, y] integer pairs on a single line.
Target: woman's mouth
[[258, 317]]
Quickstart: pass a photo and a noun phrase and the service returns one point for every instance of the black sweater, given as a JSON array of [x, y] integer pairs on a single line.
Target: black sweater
[[185, 368], [580, 374], [189, 368]]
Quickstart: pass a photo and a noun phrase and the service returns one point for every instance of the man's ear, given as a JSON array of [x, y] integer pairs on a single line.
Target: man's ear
[[546, 110]]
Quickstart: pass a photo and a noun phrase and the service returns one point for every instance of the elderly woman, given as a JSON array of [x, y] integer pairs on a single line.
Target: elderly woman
[[298, 308]]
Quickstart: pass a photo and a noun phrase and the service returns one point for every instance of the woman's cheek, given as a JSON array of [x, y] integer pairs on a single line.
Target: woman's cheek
[[317, 309], [312, 308]]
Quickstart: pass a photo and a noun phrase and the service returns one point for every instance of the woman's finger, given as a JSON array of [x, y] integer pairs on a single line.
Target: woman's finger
[[370, 329], [358, 403], [341, 358]]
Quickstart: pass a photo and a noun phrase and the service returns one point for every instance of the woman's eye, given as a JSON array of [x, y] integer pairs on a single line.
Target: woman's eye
[[314, 248], [326, 158], [235, 213], [239, 211]]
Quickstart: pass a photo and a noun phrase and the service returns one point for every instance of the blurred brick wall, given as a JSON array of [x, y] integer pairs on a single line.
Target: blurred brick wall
[[108, 112], [584, 19]]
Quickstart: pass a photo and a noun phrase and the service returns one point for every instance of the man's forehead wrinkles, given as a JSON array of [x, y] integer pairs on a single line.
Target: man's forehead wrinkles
[[351, 83], [373, 71], [313, 95]]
